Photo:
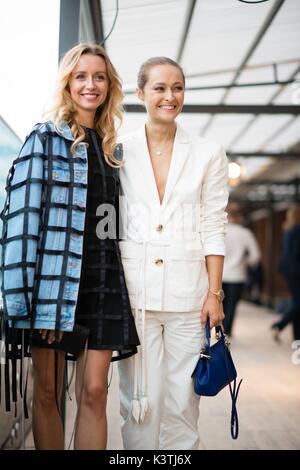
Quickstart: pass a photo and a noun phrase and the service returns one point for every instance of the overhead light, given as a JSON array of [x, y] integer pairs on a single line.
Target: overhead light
[[234, 170]]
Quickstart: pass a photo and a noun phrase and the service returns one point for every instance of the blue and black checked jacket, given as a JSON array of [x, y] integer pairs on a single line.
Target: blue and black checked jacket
[[43, 227]]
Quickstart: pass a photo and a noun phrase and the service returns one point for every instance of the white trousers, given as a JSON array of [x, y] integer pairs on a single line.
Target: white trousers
[[172, 346]]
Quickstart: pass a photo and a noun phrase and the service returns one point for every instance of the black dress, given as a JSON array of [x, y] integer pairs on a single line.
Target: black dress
[[103, 303]]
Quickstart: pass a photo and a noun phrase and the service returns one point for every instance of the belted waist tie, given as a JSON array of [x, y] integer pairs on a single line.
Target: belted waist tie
[[140, 401]]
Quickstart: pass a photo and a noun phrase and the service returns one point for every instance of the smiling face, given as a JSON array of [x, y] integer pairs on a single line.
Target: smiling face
[[88, 86], [163, 93]]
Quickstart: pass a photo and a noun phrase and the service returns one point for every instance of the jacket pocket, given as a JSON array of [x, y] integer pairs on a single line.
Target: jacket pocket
[[186, 273]]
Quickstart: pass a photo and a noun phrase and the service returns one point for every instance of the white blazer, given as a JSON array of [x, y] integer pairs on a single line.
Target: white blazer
[[164, 245]]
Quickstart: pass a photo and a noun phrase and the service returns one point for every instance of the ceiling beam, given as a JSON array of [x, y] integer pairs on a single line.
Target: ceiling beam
[[97, 20], [263, 154], [186, 29], [294, 181], [226, 109], [262, 65], [262, 31], [282, 83], [239, 85], [267, 23], [68, 25], [250, 123], [268, 202]]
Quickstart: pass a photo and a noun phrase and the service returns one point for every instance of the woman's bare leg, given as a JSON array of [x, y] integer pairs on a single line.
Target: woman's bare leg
[[91, 429], [46, 422]]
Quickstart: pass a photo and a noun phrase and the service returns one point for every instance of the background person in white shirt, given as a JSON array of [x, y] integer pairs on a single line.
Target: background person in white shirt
[[242, 251]]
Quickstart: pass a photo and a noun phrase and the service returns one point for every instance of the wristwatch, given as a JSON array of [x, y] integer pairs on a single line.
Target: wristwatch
[[220, 294]]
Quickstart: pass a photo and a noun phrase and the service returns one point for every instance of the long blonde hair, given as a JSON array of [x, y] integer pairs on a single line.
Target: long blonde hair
[[64, 109]]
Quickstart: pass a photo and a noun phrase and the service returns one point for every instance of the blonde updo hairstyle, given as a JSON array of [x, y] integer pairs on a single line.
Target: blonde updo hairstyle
[[143, 74], [64, 109]]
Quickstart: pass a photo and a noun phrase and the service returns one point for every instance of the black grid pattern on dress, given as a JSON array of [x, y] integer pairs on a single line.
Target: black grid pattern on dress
[[103, 303]]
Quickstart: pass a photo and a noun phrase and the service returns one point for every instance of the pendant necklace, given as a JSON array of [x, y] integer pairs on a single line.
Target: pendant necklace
[[159, 152]]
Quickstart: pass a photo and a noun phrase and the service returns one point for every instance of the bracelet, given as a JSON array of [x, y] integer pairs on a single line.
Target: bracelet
[[216, 293], [220, 294]]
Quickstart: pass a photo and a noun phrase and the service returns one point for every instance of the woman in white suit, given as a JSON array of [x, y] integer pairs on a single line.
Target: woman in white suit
[[173, 217]]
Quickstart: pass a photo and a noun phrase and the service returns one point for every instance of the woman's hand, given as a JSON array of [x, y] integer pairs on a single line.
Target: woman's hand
[[212, 309], [49, 335]]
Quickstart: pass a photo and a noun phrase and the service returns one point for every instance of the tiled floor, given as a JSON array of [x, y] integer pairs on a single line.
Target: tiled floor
[[269, 401]]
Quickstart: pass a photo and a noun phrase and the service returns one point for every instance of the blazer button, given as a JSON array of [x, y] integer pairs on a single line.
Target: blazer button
[[159, 228], [159, 262]]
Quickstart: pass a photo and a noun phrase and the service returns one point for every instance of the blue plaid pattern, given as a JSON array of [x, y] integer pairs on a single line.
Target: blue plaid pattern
[[43, 224]]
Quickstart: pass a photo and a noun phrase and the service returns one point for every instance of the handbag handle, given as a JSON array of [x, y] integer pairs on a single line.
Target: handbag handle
[[218, 329]]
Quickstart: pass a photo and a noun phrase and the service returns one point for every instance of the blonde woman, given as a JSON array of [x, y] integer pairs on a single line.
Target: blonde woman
[[61, 259], [173, 252]]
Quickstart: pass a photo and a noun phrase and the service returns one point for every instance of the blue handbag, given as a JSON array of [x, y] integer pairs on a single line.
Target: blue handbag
[[215, 370]]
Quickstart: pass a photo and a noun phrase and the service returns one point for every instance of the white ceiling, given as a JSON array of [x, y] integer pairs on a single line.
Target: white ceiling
[[220, 35]]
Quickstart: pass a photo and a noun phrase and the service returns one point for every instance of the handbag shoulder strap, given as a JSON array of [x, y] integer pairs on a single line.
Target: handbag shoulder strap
[[234, 423], [234, 391]]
